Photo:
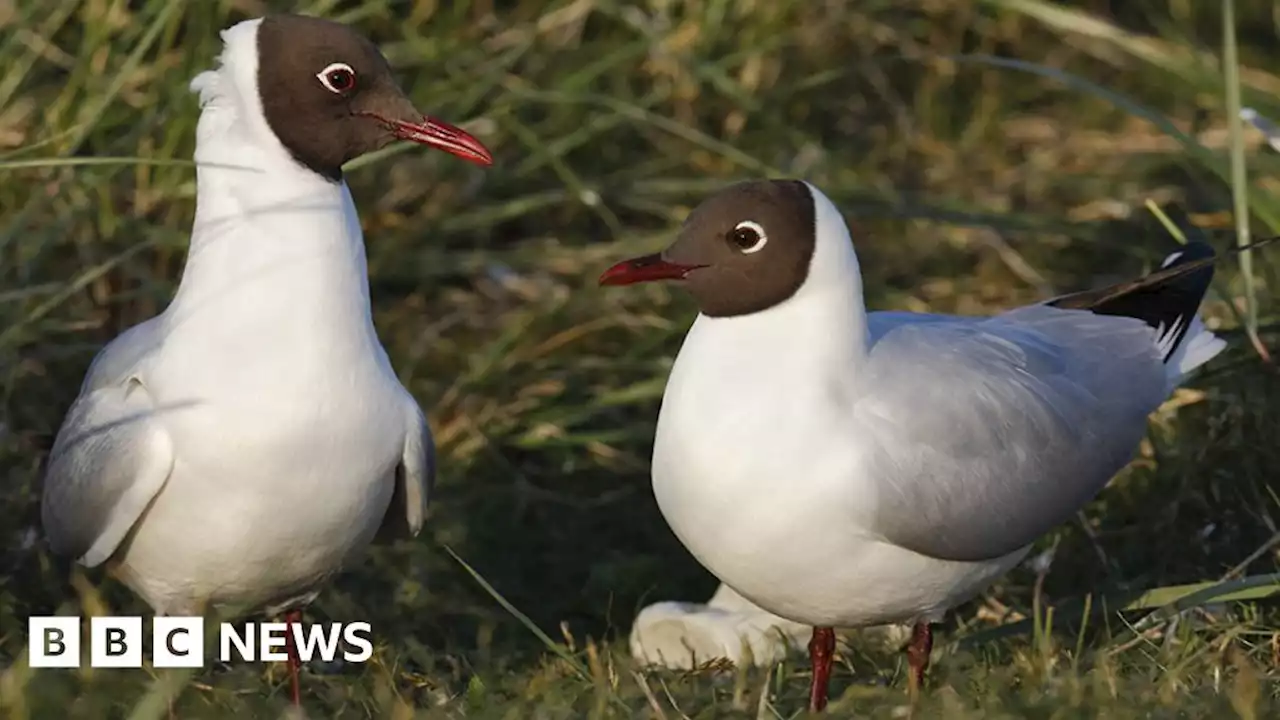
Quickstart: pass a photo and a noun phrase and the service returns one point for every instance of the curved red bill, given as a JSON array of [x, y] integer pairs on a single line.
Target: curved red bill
[[440, 134], [645, 269]]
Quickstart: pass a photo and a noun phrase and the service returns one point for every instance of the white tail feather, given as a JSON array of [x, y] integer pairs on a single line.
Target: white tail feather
[[1198, 347]]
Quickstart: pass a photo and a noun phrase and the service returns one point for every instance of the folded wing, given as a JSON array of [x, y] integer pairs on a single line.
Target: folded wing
[[984, 434], [111, 456], [415, 478], [110, 459]]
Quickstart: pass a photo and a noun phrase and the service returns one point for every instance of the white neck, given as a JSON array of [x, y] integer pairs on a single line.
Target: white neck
[[272, 241], [817, 337], [275, 236]]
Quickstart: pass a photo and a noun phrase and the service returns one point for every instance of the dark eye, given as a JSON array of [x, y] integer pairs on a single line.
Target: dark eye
[[748, 237], [338, 78]]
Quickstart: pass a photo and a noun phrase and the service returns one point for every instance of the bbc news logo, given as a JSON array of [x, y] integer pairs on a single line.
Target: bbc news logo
[[178, 642]]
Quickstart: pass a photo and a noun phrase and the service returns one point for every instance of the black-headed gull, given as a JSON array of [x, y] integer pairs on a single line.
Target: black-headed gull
[[844, 469], [236, 450]]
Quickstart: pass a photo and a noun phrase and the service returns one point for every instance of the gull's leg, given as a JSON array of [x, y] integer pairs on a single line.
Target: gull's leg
[[822, 646], [295, 684], [918, 656]]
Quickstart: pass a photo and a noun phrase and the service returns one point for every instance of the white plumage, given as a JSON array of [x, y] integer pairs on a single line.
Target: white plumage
[[241, 447]]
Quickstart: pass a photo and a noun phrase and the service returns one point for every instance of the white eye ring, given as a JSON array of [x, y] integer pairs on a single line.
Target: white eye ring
[[323, 77], [762, 239]]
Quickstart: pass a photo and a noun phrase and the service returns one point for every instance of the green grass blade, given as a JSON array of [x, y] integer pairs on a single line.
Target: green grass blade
[[1239, 175], [1167, 600], [557, 648]]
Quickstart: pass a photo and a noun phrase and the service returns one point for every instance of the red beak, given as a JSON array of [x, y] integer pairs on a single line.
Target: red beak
[[442, 135], [645, 269]]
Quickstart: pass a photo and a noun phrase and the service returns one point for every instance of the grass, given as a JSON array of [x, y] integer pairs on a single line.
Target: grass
[[990, 153]]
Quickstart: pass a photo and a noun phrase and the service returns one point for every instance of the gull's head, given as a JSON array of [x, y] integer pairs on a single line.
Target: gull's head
[[324, 92], [751, 247]]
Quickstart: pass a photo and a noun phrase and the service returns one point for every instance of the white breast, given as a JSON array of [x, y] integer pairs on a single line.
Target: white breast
[[285, 415]]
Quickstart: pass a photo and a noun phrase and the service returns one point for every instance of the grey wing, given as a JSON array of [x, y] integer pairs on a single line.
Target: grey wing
[[987, 433], [110, 459], [881, 322], [415, 478], [120, 357]]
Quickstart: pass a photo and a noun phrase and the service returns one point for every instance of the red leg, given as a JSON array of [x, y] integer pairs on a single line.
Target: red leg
[[295, 684], [918, 655], [821, 649]]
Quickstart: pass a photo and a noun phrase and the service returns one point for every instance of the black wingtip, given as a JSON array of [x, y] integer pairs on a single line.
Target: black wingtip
[[1167, 299]]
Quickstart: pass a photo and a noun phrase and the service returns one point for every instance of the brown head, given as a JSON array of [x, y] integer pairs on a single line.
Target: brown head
[[746, 249], [329, 97]]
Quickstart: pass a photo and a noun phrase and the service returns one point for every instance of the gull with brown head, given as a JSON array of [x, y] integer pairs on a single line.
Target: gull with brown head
[[243, 446], [841, 468]]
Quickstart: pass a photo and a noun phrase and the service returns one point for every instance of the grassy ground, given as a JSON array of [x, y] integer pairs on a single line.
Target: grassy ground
[[975, 184]]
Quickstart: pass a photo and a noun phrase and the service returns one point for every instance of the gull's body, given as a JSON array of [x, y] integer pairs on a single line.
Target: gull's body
[[266, 395], [846, 469], [240, 448], [828, 450]]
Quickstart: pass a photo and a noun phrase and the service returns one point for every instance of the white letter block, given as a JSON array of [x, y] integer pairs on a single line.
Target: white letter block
[[115, 642], [177, 642], [53, 642]]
